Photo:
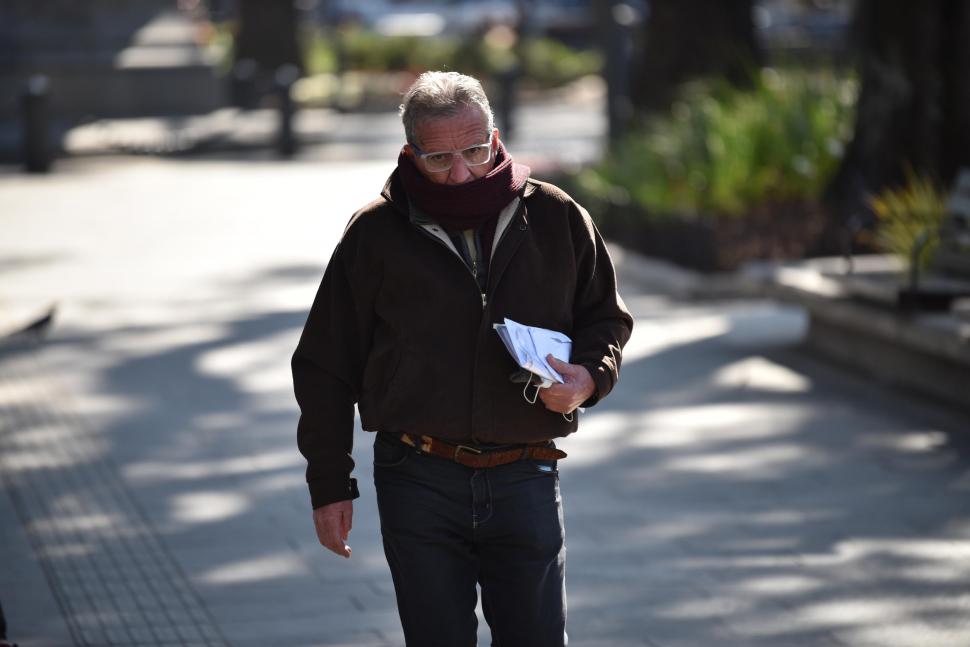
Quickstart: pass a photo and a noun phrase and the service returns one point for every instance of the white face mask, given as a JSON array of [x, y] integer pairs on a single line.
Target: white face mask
[[529, 346]]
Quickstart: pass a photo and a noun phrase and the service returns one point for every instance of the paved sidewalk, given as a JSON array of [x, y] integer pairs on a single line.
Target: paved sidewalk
[[731, 492]]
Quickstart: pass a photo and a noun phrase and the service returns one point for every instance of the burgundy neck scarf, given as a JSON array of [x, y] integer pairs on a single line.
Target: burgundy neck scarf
[[457, 207]]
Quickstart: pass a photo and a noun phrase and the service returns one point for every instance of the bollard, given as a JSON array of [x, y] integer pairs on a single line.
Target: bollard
[[242, 87], [507, 100], [286, 76], [619, 51], [35, 106]]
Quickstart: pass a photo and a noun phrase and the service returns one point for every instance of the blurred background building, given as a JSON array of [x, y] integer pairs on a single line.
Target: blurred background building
[[100, 59]]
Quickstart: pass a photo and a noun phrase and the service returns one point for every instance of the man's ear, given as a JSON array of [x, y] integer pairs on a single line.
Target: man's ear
[[495, 138], [407, 150]]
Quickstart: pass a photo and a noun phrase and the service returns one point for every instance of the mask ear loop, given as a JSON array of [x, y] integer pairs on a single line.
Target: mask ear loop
[[525, 391], [525, 394]]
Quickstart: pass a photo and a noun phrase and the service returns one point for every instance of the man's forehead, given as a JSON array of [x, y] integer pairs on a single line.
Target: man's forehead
[[468, 123]]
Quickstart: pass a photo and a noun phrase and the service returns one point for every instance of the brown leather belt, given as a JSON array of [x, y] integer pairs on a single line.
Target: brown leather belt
[[478, 457]]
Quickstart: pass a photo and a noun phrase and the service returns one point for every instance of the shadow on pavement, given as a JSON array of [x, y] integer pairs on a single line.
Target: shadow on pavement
[[730, 492]]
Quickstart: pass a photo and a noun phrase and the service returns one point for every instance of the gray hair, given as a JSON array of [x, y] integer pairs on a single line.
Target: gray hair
[[442, 94]]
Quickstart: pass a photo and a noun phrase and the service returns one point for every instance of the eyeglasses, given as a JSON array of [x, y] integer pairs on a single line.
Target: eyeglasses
[[443, 160]]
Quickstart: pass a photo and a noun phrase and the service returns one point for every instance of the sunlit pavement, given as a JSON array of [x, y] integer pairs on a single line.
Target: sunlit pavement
[[732, 491]]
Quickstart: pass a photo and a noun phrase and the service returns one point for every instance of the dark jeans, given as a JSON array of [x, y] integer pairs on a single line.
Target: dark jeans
[[447, 527]]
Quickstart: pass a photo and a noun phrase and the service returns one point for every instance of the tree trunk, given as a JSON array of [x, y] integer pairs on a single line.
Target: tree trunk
[[267, 34], [914, 105], [685, 39]]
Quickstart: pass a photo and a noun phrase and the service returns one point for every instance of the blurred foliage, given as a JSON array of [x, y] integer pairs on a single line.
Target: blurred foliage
[[217, 39], [359, 50], [721, 151], [552, 63], [547, 63], [356, 54], [908, 216], [351, 67]]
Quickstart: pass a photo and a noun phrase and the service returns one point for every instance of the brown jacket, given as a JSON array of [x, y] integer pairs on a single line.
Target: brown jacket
[[400, 327]]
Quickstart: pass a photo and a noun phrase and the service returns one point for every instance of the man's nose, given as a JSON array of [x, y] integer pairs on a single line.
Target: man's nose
[[459, 171]]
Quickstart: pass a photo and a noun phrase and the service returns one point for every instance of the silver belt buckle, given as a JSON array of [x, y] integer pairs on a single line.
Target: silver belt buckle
[[459, 448]]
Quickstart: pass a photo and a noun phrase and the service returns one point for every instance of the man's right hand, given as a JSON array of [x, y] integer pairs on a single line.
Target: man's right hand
[[333, 523]]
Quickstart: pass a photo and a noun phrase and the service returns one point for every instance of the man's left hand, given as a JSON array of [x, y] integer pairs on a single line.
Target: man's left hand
[[578, 387]]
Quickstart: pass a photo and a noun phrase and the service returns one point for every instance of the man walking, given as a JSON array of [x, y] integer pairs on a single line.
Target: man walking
[[465, 466]]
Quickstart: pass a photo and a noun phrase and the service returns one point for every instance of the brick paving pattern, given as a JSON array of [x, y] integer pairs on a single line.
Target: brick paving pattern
[[113, 579]]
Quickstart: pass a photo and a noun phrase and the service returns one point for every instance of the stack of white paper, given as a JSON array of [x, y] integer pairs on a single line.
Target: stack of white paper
[[530, 345]]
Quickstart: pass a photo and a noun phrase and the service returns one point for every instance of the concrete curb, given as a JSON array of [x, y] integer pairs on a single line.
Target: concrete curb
[[678, 282], [928, 352]]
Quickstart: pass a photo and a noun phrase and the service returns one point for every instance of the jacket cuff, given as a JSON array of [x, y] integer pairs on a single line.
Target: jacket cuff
[[326, 491], [603, 381]]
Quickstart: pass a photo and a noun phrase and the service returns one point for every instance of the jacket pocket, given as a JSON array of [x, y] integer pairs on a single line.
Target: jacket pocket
[[412, 387], [379, 375], [393, 390]]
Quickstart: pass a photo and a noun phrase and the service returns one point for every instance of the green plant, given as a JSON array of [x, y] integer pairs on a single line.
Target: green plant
[[909, 219], [547, 63], [720, 150], [217, 38], [551, 63], [319, 53]]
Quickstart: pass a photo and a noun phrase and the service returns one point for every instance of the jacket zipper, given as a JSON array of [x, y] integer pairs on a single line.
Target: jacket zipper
[[475, 275], [472, 271]]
